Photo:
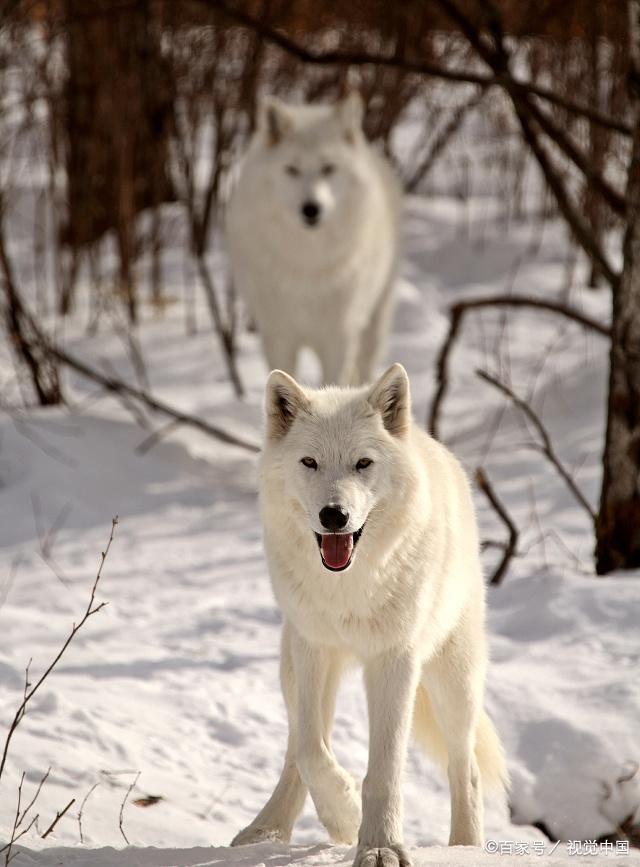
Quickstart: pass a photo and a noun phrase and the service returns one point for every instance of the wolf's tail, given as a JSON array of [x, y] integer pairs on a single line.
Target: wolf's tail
[[489, 751]]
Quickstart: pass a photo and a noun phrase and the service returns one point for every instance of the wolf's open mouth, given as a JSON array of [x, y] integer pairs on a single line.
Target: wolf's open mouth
[[336, 549]]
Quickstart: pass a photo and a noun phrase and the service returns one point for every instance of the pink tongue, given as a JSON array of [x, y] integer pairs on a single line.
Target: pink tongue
[[336, 549]]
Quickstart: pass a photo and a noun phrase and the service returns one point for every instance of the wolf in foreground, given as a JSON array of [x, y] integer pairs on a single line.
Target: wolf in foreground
[[312, 235], [372, 546]]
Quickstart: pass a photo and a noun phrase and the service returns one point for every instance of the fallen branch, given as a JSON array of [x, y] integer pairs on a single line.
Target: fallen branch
[[508, 548], [456, 315], [117, 386], [545, 445]]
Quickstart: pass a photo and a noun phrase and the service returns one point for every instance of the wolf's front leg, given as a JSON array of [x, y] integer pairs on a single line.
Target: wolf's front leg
[[276, 819], [317, 671], [391, 680]]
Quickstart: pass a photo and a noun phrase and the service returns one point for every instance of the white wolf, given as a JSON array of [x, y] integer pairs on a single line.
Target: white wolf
[[312, 235], [372, 546]]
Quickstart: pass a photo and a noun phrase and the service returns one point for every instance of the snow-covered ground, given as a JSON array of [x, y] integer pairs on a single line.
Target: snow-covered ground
[[177, 678]]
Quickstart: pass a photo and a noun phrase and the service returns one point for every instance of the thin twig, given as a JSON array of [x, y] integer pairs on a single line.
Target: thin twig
[[156, 436], [124, 801], [510, 547], [59, 816], [29, 693], [82, 806], [545, 446], [224, 333], [35, 797], [16, 820]]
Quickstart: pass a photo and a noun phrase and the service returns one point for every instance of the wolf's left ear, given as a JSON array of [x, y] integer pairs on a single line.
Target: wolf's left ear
[[284, 400], [350, 111], [391, 396]]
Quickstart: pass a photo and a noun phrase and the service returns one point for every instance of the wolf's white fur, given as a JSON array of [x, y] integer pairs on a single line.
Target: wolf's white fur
[[326, 286], [409, 608]]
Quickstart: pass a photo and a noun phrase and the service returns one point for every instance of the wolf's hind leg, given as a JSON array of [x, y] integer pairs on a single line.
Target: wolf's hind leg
[[276, 819], [334, 794], [338, 359], [373, 340], [455, 685], [279, 351]]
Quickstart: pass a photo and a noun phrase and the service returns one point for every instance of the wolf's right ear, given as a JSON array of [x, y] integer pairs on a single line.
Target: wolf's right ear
[[391, 396], [274, 120], [284, 400]]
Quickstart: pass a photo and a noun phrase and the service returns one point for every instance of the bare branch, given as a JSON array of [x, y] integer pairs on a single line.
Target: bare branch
[[612, 197], [443, 139], [420, 67], [25, 334], [456, 314], [510, 547], [570, 212], [30, 692], [545, 445], [497, 58]]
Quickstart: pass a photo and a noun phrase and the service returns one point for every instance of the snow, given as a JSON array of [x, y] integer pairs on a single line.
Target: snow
[[177, 678], [318, 855]]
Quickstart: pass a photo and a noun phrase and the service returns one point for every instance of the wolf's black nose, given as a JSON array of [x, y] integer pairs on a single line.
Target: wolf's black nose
[[311, 212], [333, 518]]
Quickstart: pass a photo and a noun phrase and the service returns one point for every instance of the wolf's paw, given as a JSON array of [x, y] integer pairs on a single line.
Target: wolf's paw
[[260, 835], [341, 813], [388, 856]]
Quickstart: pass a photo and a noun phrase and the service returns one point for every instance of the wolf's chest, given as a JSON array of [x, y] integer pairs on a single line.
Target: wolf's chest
[[343, 612]]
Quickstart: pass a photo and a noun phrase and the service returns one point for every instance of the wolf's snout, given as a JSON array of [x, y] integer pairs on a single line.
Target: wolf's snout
[[333, 518], [311, 213]]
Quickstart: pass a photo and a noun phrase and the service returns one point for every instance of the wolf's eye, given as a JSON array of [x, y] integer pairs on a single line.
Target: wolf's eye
[[309, 462], [293, 171], [327, 169], [363, 463]]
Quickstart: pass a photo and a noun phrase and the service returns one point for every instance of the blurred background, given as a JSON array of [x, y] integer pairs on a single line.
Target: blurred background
[[131, 383]]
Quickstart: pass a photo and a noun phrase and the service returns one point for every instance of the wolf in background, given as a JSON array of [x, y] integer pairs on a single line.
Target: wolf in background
[[312, 228], [372, 545]]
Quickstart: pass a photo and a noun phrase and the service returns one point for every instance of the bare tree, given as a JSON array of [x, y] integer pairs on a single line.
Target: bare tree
[[618, 522]]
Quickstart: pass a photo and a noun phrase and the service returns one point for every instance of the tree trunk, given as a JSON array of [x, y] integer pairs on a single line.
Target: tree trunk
[[116, 126], [618, 524]]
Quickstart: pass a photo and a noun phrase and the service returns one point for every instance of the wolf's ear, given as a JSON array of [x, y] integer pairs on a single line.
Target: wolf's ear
[[274, 120], [284, 400], [391, 396], [350, 111]]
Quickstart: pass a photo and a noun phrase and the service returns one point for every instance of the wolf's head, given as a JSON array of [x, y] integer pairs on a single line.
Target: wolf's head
[[342, 456], [308, 156]]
